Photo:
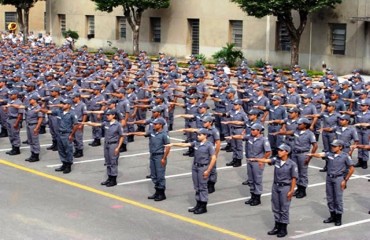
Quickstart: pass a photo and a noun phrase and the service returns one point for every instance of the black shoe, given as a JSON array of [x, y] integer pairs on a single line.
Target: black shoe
[[170, 127], [113, 182], [256, 201], [227, 147], [53, 145], [130, 139], [282, 230], [301, 193], [25, 142], [4, 133], [231, 163], [364, 165], [229, 150], [359, 163], [325, 169], [42, 130], [61, 168], [202, 209], [12, 150], [35, 158], [15, 151], [246, 183], [123, 148], [95, 143], [154, 196], [148, 176], [250, 200], [237, 163], [331, 219], [28, 159], [338, 219], [161, 195], [106, 181], [68, 168], [211, 187], [195, 207], [79, 153], [297, 191], [275, 230]]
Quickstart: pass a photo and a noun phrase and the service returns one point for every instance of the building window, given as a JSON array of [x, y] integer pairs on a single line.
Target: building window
[[194, 30], [10, 17], [155, 26], [283, 42], [121, 27], [338, 38], [90, 20], [62, 22], [45, 21], [237, 33]]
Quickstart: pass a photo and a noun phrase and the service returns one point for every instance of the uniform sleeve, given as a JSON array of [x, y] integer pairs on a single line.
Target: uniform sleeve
[[312, 138], [120, 130], [349, 161], [355, 135], [166, 139], [266, 145], [211, 149], [294, 170]]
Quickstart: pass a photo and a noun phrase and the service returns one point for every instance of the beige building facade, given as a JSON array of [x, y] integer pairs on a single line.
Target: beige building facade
[[338, 37], [37, 18]]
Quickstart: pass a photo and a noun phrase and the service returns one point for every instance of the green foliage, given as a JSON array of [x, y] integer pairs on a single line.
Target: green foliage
[[261, 8], [259, 63], [201, 57], [108, 5], [23, 4], [71, 33], [230, 54]]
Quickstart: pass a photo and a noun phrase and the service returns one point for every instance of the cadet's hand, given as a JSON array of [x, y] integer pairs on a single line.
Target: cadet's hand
[[163, 162], [70, 138], [15, 126], [36, 131], [311, 128], [307, 161], [290, 195], [343, 185], [261, 165], [205, 174], [116, 151], [229, 137]]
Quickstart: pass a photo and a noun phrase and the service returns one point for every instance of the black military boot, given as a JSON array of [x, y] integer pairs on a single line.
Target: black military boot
[[231, 163], [250, 200], [123, 148], [42, 130], [16, 151], [302, 192], [35, 158], [195, 207], [61, 168], [331, 219], [283, 230], [53, 145], [106, 181], [211, 187], [257, 200], [161, 195], [79, 153], [275, 230], [338, 219], [170, 127], [364, 165], [359, 163], [95, 143], [12, 150], [227, 147], [113, 182], [25, 142], [154, 196], [28, 159], [237, 163], [202, 209], [4, 133], [297, 190], [130, 138], [325, 169], [68, 168]]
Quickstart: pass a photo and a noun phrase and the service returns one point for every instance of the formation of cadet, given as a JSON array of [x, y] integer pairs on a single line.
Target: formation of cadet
[[52, 86]]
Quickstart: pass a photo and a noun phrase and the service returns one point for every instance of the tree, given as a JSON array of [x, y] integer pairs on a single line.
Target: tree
[[283, 10], [132, 10], [23, 10]]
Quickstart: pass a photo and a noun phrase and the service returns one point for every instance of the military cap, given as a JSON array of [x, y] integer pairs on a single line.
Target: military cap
[[75, 94], [13, 91], [332, 104], [284, 147], [69, 84], [111, 112], [55, 89], [203, 105], [259, 89], [160, 90], [257, 126], [67, 101], [30, 84], [132, 86], [159, 121], [96, 87], [194, 96], [157, 109], [346, 82], [337, 143], [207, 119], [293, 109], [230, 90], [316, 86], [253, 112], [303, 121], [238, 101], [159, 97], [203, 131], [365, 102], [345, 117], [309, 96], [112, 101], [275, 97], [34, 97]]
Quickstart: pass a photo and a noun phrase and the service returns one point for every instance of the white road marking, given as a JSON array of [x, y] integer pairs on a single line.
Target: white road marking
[[43, 145]]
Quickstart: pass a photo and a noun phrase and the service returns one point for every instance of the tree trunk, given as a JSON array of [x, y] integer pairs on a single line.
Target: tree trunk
[[20, 19], [135, 40], [26, 21], [294, 51]]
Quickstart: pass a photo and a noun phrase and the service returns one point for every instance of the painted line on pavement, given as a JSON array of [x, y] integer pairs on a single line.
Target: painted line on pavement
[[127, 201]]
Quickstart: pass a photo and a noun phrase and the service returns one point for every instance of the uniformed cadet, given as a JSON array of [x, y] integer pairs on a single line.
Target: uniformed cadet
[[303, 140], [257, 146], [67, 126], [3, 101], [53, 103], [95, 104], [112, 142], [15, 116], [289, 127], [285, 177], [362, 118], [340, 169], [237, 119], [191, 109], [204, 160], [79, 109], [347, 133], [34, 119]]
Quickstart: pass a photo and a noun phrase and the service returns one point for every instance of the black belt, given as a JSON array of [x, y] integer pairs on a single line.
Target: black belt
[[237, 127], [31, 124], [200, 165], [363, 128], [281, 184], [114, 142], [274, 124], [299, 151], [13, 117], [62, 132], [157, 154], [335, 175]]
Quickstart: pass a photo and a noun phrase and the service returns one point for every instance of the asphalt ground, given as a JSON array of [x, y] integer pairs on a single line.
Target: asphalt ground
[[39, 203]]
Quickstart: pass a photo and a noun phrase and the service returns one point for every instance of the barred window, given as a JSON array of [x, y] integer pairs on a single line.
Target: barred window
[[62, 22], [121, 27], [90, 26], [338, 38], [155, 26], [283, 41], [237, 33], [10, 17]]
